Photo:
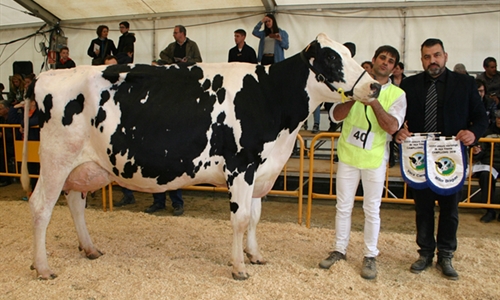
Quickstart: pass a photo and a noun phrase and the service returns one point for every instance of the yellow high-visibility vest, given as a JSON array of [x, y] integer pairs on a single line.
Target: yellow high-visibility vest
[[358, 146]]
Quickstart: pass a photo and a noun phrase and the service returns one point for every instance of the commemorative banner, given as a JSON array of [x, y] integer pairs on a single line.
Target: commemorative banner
[[444, 165], [412, 158]]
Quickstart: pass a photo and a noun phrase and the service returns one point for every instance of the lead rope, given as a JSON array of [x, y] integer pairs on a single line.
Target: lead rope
[[369, 127]]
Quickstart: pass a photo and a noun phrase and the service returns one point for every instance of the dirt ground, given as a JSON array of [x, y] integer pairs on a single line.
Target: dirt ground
[[164, 257]]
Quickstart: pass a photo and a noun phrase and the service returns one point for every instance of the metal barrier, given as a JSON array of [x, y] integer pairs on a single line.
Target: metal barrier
[[107, 195], [386, 197]]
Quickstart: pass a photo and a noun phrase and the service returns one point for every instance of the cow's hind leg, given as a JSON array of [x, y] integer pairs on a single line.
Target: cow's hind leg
[[76, 203], [42, 203], [252, 249]]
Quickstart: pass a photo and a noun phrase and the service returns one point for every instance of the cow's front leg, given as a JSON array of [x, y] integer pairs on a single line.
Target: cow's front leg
[[76, 203], [252, 249], [241, 198]]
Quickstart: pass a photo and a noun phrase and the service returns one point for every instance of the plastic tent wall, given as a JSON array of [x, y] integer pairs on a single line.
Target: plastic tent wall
[[469, 33]]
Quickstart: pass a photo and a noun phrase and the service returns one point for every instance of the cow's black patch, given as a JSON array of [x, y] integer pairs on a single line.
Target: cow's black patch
[[101, 116], [74, 107], [104, 98], [44, 114], [112, 73], [233, 206], [128, 170], [327, 62], [165, 115]]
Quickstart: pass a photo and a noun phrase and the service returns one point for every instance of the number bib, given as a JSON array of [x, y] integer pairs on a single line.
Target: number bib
[[360, 138]]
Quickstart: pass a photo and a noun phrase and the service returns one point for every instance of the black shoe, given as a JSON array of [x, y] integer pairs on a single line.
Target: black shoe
[[4, 183], [154, 208], [126, 200], [178, 210], [315, 128], [488, 216], [444, 265], [422, 263]]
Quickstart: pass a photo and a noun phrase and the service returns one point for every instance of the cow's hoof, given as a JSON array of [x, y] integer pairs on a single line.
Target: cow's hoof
[[258, 262], [94, 255], [240, 276], [50, 276], [254, 260], [40, 276]]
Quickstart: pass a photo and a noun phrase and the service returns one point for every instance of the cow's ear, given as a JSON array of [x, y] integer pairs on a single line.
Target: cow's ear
[[312, 49]]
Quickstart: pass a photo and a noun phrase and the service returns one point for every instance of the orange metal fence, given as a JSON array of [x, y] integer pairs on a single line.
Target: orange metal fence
[[392, 175], [107, 195], [388, 196]]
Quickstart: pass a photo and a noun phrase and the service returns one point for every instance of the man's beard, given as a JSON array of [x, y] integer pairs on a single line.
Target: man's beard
[[434, 70]]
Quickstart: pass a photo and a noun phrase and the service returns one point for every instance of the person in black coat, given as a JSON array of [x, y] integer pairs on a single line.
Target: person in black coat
[[241, 52], [460, 113], [126, 42], [101, 46]]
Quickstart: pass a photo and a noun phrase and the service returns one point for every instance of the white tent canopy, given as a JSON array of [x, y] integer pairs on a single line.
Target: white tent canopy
[[470, 30]]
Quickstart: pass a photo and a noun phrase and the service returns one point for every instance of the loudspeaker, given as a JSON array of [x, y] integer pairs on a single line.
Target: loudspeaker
[[22, 67]]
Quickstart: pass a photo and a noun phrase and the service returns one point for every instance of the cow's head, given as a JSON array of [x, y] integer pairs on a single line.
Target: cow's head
[[333, 65]]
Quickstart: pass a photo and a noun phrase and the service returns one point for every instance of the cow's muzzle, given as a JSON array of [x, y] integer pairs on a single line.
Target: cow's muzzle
[[375, 88]]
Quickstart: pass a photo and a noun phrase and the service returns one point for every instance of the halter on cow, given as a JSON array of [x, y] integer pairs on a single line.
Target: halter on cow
[[157, 128]]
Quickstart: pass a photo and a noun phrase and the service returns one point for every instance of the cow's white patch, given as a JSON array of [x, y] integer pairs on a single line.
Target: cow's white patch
[[145, 98]]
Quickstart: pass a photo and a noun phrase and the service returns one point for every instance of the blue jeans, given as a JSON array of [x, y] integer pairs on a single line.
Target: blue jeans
[[317, 115], [161, 198]]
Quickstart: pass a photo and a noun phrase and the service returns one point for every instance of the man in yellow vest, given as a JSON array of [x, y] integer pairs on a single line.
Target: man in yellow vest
[[363, 153]]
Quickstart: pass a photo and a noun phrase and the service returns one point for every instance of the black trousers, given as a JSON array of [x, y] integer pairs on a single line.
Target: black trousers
[[446, 239], [484, 178]]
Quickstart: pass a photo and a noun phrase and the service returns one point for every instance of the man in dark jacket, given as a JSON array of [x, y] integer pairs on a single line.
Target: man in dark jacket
[[126, 41], [457, 111], [241, 52]]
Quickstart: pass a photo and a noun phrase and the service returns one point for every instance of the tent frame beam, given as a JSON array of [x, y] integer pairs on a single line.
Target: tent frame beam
[[39, 11]]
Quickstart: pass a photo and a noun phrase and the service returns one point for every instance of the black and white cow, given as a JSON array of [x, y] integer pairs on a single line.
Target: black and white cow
[[157, 128]]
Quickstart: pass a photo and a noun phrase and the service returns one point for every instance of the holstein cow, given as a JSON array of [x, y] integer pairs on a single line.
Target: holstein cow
[[157, 128]]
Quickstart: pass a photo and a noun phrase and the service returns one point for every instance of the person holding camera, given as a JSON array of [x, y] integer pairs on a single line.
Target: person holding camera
[[491, 78], [273, 41]]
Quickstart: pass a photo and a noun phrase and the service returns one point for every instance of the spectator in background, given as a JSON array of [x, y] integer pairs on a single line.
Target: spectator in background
[[2, 88], [101, 46], [16, 92], [125, 43], [7, 152], [489, 104], [482, 154], [491, 78], [273, 41], [64, 61], [27, 81], [367, 65], [460, 69], [398, 74], [126, 57], [110, 60], [183, 50], [241, 52]]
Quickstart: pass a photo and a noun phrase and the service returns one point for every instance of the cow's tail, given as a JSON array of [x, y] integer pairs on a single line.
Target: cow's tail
[[25, 176]]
